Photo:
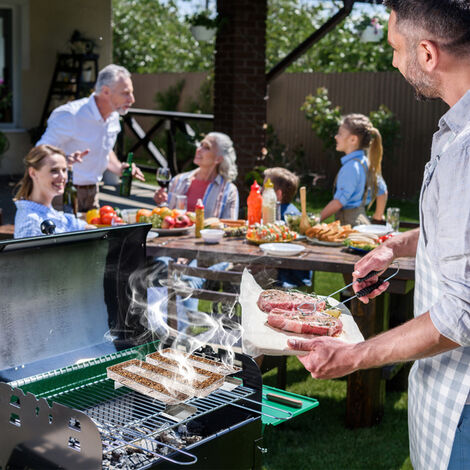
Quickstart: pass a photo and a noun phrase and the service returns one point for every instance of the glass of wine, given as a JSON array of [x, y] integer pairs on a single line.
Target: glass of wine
[[163, 177]]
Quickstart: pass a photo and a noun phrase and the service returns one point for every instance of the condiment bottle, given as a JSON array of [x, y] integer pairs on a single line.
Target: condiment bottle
[[254, 203], [269, 203], [199, 218]]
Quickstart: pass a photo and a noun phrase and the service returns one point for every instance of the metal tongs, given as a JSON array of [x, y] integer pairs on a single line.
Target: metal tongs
[[310, 307]]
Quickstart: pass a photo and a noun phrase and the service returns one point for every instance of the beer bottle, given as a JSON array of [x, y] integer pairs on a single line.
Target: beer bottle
[[70, 198], [126, 178]]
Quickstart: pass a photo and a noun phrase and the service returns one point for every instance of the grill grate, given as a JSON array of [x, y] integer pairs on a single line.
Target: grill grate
[[135, 427]]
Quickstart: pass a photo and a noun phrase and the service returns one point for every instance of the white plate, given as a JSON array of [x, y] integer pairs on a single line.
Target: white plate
[[315, 241], [373, 228], [282, 249], [171, 231]]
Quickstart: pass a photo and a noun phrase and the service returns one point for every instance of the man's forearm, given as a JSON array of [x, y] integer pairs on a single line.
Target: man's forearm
[[114, 165], [331, 208], [404, 245], [415, 339]]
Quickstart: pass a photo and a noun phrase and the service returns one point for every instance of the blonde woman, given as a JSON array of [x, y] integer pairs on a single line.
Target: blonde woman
[[359, 182], [44, 178], [212, 181]]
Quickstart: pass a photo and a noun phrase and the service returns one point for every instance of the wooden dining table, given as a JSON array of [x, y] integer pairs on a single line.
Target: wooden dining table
[[365, 389]]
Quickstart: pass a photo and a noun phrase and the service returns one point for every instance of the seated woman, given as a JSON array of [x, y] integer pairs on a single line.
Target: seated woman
[[44, 178], [359, 181], [211, 181]]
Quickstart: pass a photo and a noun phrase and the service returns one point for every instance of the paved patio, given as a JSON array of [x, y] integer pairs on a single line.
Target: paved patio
[[141, 197]]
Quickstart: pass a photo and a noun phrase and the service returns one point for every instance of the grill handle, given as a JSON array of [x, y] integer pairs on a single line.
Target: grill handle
[[288, 413]]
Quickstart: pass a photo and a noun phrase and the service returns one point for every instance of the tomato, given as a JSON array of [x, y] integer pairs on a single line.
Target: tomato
[[95, 221], [118, 220], [106, 210], [107, 219], [92, 214], [142, 212]]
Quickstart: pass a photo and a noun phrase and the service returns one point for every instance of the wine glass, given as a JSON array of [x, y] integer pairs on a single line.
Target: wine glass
[[163, 177]]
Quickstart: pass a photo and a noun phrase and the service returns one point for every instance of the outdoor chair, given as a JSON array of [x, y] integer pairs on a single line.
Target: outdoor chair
[[222, 289]]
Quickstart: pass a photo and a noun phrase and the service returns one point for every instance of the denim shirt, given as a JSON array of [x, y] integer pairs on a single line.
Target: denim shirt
[[30, 215]]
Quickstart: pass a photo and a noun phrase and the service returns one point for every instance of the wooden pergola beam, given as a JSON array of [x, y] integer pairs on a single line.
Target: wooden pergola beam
[[313, 38]]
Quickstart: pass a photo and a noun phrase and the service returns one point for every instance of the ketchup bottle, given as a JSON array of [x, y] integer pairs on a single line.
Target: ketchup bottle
[[254, 203]]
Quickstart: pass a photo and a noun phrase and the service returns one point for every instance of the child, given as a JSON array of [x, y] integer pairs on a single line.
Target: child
[[286, 185], [359, 181]]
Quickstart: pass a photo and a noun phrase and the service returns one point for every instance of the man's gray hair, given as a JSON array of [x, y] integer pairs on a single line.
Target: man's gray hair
[[228, 167], [110, 75]]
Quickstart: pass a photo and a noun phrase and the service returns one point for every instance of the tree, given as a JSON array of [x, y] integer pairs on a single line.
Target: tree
[[149, 37]]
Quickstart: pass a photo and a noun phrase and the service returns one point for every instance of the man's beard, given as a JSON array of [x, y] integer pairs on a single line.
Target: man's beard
[[425, 88], [122, 110]]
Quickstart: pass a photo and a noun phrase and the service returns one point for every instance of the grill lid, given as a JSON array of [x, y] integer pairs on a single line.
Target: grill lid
[[65, 299]]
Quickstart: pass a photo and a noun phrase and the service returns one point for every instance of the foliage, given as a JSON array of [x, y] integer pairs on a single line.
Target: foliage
[[149, 37], [324, 117], [290, 22], [277, 154], [325, 120], [203, 18], [388, 125]]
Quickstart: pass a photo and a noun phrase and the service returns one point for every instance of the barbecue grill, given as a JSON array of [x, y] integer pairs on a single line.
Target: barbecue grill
[[65, 302]]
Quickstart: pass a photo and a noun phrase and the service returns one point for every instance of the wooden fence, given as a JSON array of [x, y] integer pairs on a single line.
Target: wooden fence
[[353, 92]]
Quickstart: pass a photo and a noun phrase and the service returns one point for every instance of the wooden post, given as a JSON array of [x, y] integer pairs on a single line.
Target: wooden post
[[366, 388]]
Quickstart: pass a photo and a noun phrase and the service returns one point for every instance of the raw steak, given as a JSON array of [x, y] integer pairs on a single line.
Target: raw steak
[[272, 298], [314, 324]]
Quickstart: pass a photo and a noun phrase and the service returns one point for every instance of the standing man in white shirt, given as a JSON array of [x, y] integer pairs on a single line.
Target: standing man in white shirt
[[87, 129]]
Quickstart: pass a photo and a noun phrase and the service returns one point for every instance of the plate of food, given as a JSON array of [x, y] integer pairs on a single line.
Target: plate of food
[[362, 241], [282, 249], [270, 233], [271, 317], [375, 229], [332, 234]]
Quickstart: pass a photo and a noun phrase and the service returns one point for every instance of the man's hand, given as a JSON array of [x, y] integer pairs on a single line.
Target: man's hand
[[136, 172], [327, 357], [77, 156], [160, 196], [379, 260]]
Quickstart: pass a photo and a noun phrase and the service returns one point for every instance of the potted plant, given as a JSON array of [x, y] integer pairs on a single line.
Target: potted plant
[[203, 25]]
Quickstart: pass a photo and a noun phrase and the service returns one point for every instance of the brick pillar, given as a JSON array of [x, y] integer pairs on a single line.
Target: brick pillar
[[240, 81]]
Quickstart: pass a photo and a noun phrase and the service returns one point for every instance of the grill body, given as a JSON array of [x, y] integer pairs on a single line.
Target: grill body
[[57, 408]]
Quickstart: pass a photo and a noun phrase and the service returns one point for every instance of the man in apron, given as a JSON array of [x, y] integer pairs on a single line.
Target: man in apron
[[431, 43]]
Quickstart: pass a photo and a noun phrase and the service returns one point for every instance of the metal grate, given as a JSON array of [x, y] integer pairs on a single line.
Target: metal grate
[[135, 429]]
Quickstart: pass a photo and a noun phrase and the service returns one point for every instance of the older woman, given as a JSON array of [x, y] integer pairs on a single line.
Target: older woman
[[211, 181], [44, 178]]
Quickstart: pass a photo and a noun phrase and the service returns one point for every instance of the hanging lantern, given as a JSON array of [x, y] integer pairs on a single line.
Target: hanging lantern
[[373, 33]]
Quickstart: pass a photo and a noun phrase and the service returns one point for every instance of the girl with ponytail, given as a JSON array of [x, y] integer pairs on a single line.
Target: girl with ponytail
[[359, 181]]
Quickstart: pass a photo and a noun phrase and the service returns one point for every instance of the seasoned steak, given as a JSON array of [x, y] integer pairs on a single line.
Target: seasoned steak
[[312, 324], [272, 298]]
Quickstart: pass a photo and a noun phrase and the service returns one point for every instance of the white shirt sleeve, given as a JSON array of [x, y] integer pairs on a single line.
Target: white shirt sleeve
[[60, 126]]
